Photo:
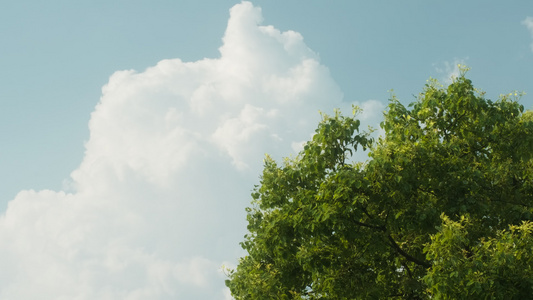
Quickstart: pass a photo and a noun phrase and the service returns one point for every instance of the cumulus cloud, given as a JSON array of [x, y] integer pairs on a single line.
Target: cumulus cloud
[[157, 204], [528, 22]]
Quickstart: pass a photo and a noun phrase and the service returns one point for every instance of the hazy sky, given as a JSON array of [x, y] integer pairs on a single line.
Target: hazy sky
[[134, 131]]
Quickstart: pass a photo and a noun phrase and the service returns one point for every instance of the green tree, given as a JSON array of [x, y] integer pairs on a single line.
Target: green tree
[[441, 210]]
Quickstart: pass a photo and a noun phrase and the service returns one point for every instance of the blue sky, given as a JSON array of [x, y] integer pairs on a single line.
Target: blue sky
[[57, 56]]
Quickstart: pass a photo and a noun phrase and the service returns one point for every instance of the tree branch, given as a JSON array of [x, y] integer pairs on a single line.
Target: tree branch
[[394, 244], [406, 255], [380, 228]]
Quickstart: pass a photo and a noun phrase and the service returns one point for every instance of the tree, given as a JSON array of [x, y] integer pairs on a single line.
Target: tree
[[441, 210]]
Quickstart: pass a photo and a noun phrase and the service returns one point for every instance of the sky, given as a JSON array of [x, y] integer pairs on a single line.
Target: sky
[[133, 132]]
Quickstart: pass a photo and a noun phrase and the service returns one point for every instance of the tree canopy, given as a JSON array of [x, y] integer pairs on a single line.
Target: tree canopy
[[442, 209]]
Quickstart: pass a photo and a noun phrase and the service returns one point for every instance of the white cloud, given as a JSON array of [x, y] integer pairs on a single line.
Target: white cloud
[[157, 204], [528, 22], [450, 70]]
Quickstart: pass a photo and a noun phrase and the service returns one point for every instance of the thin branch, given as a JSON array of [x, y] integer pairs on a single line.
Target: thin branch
[[380, 228], [406, 255], [408, 270]]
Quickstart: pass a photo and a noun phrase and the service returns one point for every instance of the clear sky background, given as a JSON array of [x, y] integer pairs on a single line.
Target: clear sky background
[[171, 152]]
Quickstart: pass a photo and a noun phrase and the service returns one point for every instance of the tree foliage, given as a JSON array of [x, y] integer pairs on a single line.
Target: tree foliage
[[441, 210]]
